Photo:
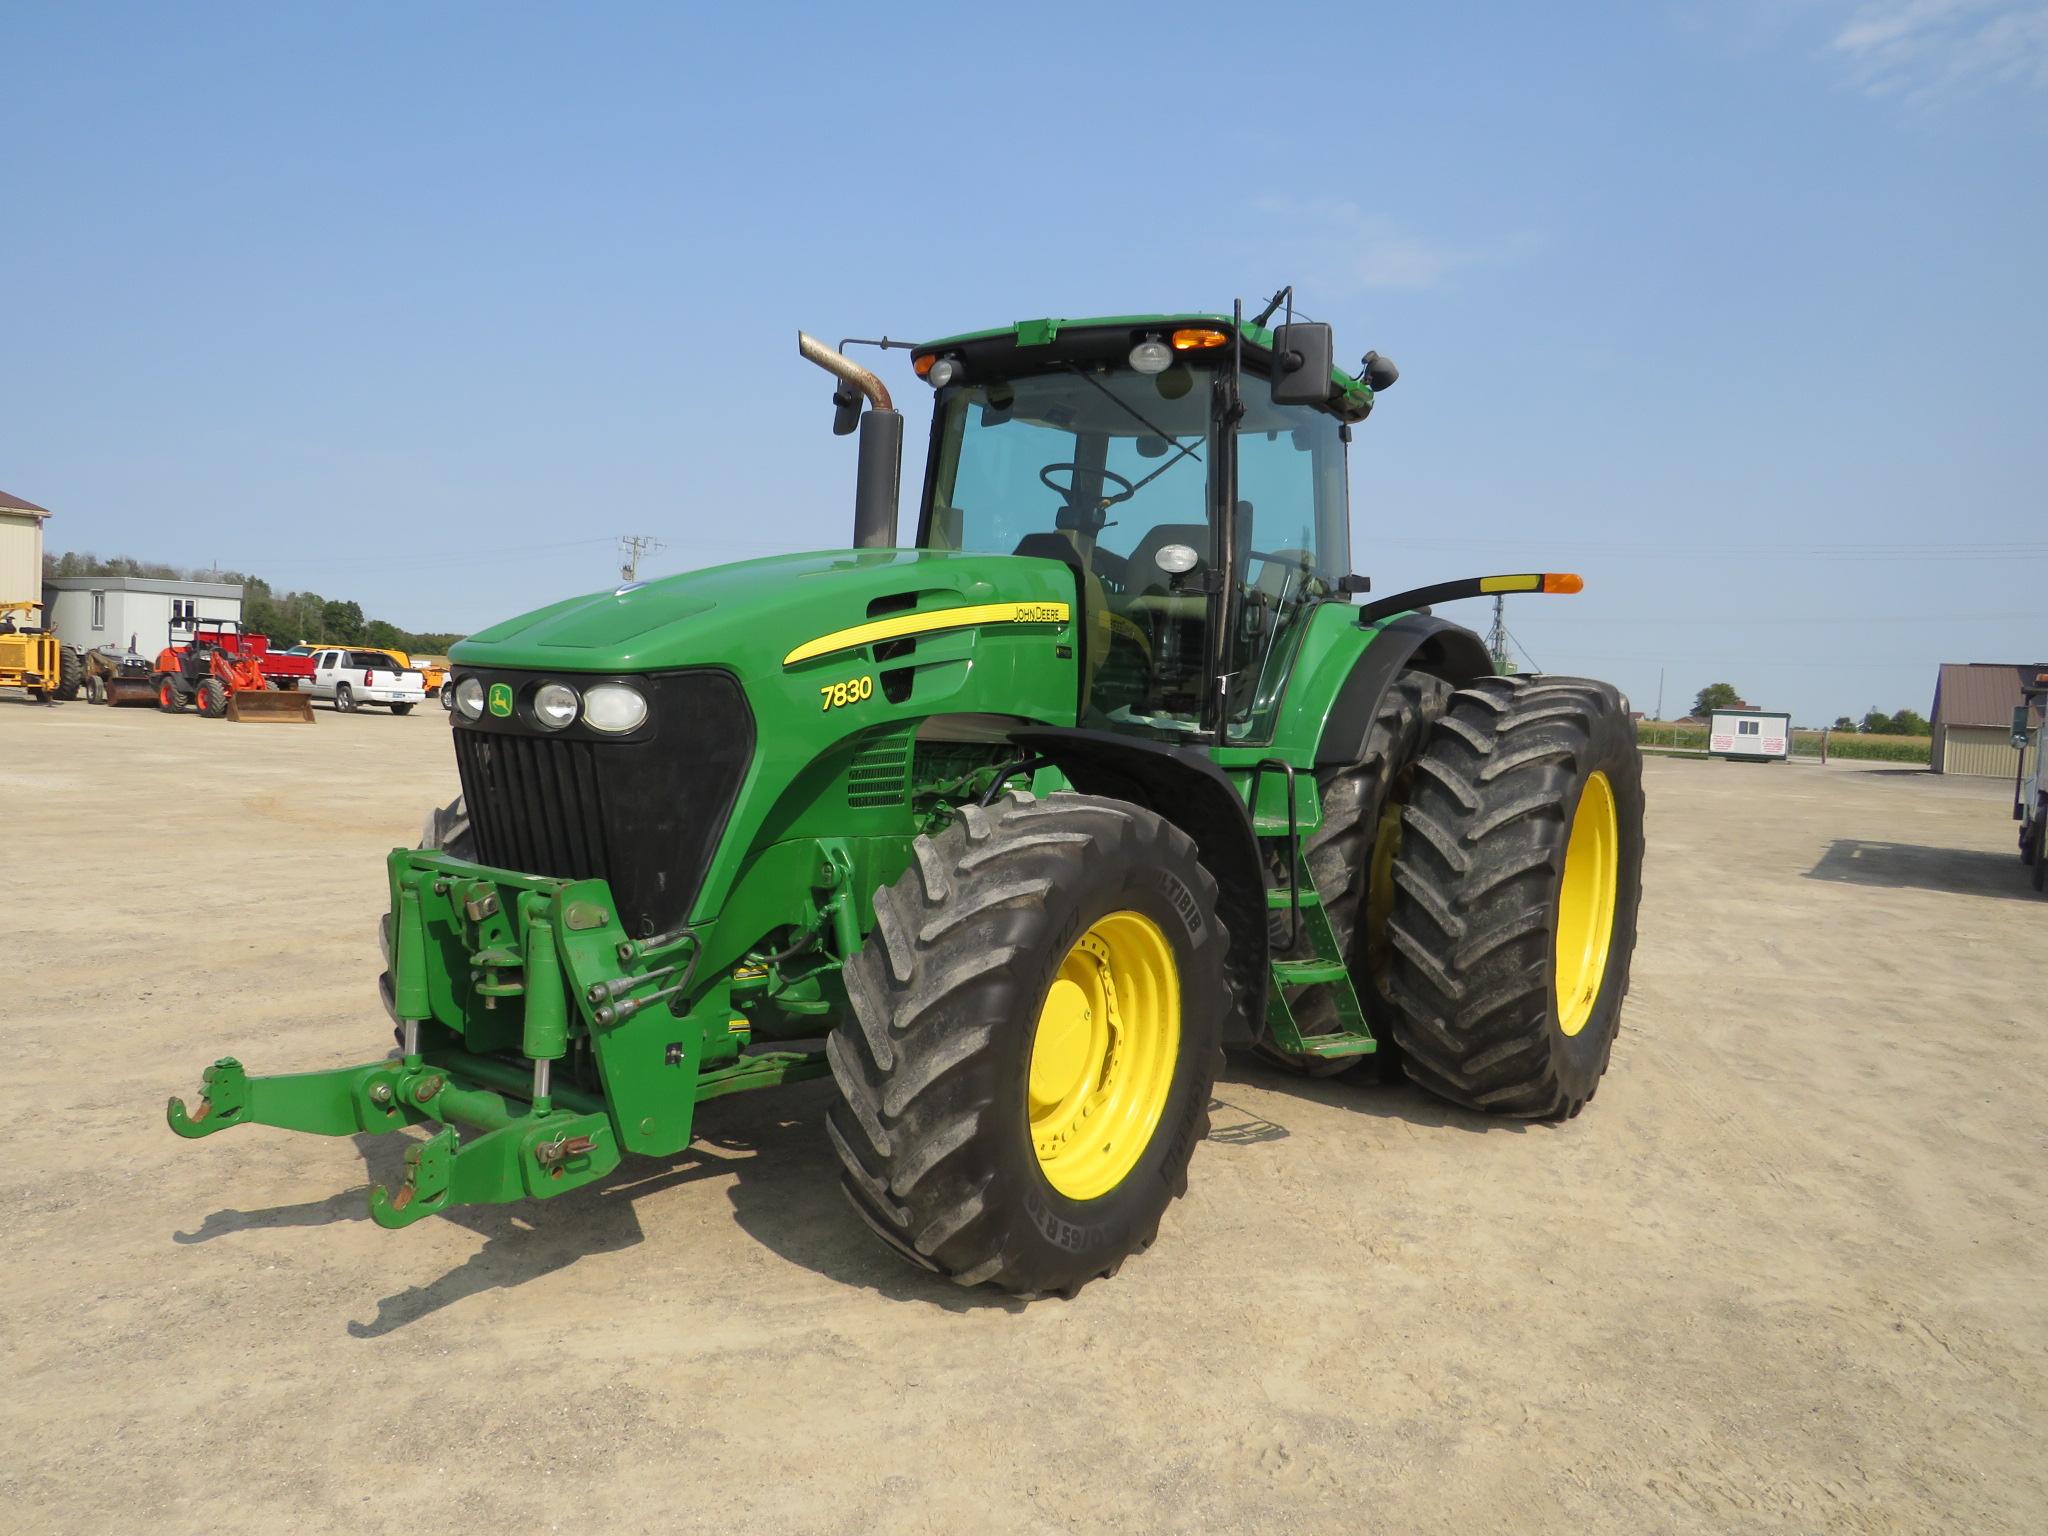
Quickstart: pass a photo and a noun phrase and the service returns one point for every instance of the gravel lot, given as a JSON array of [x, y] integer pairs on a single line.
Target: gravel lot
[[1786, 1273]]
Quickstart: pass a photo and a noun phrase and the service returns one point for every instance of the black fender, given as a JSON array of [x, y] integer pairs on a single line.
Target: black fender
[[1418, 642], [1182, 785]]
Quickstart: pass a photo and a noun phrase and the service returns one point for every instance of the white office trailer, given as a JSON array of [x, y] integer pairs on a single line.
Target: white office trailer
[[119, 611], [1757, 735]]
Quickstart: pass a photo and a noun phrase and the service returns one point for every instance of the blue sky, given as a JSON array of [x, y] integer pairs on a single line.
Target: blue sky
[[1736, 308]]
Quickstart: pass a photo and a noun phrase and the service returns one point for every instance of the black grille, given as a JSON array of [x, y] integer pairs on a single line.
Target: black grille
[[535, 804], [644, 811]]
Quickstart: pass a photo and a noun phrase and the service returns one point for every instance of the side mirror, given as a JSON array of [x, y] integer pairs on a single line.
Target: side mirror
[[2019, 726], [1302, 360], [846, 404]]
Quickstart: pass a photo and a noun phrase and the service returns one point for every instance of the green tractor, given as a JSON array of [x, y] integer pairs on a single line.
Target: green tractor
[[1008, 833]]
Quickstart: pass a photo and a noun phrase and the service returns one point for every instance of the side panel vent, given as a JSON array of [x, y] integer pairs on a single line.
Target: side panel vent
[[879, 773]]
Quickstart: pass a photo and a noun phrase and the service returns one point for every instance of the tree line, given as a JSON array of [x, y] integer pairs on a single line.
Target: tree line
[[289, 618], [1875, 722]]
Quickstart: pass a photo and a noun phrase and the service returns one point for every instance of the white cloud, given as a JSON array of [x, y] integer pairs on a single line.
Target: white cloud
[[1921, 50], [1352, 249]]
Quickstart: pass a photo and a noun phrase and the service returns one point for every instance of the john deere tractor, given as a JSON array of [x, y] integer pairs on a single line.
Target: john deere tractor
[[1007, 832]]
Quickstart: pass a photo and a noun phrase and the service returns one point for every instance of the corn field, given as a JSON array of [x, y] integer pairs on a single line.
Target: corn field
[[1843, 744]]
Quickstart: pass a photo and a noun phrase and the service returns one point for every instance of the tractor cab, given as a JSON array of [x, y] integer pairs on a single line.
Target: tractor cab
[[1205, 513]]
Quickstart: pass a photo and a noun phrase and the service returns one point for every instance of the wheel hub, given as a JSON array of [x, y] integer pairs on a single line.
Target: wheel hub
[[1103, 1055], [1585, 904]]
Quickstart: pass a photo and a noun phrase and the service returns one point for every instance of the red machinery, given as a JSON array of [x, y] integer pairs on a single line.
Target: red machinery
[[280, 668], [219, 668]]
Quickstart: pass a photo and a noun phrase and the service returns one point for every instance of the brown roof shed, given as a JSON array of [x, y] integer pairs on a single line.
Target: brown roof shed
[[1980, 692], [12, 503]]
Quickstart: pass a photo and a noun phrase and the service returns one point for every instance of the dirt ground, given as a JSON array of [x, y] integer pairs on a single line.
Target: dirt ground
[[1786, 1273]]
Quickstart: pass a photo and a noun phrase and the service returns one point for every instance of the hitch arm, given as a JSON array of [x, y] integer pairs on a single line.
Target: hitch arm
[[339, 1103]]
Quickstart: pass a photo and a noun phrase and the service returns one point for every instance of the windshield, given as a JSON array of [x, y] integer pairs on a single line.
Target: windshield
[[1110, 471]]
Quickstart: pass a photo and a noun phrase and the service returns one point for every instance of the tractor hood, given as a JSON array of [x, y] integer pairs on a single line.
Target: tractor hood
[[758, 615]]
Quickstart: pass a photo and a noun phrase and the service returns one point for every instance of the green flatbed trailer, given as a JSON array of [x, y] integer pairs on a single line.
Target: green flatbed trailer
[[1006, 832]]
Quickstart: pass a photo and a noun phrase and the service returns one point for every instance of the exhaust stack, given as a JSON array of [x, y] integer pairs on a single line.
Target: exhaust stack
[[878, 477]]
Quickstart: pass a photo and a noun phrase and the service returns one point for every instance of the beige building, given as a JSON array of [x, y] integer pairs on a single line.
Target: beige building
[[21, 549], [1972, 715]]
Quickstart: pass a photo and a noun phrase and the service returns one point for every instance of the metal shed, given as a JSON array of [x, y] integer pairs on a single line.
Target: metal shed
[[1972, 715], [1753, 735], [21, 549]]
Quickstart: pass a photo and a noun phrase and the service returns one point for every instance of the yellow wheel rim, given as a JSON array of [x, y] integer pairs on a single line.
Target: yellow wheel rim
[[1585, 904], [1103, 1055]]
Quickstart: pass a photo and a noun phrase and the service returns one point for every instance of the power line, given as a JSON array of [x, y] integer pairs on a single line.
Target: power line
[[631, 547], [1497, 637]]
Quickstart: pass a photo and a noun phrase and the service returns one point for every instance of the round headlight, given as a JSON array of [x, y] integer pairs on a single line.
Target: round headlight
[[1151, 356], [469, 698], [943, 372], [614, 707], [554, 705]]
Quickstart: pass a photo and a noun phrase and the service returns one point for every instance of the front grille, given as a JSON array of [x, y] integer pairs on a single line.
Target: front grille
[[535, 804], [644, 811]]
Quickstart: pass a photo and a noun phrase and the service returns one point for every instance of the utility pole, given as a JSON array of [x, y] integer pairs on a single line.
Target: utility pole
[[1497, 638], [1660, 695], [631, 547]]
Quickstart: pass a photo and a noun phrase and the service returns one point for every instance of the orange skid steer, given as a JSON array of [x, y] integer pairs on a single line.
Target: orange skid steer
[[221, 683]]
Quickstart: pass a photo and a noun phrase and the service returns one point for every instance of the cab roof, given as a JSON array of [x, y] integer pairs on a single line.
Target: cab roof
[[1108, 336]]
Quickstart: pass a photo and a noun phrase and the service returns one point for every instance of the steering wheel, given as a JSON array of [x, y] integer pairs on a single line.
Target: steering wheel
[[1074, 471]]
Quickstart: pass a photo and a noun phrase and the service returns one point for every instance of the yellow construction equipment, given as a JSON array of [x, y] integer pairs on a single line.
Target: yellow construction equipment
[[33, 658]]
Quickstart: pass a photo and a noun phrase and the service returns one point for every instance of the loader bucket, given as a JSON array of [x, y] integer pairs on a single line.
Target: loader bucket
[[266, 705], [131, 690]]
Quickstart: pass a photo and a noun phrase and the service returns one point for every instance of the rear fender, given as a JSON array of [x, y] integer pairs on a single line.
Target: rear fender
[[1418, 642], [1186, 788]]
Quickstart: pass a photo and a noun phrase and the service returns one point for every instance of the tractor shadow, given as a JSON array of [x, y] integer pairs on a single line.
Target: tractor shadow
[[782, 1182], [783, 1188], [1909, 866]]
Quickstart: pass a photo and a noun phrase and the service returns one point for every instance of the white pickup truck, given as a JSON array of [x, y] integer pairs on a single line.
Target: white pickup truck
[[355, 678]]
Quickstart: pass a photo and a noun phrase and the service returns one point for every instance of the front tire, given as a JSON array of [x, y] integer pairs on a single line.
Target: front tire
[[70, 672], [213, 697], [1035, 1028], [401, 709], [1516, 889]]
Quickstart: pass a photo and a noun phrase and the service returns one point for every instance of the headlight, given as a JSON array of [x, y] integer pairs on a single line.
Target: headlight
[[469, 698], [614, 707], [554, 704], [943, 372], [1151, 356]]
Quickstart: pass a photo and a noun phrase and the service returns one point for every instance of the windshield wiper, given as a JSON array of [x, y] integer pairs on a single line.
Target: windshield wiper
[[1181, 450]]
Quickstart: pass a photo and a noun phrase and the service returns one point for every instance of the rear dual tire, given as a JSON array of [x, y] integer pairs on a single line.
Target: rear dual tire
[[1035, 1028], [1516, 889]]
